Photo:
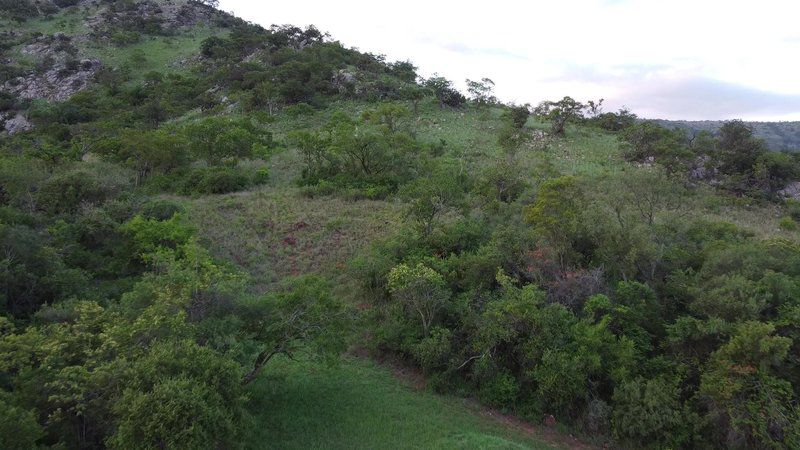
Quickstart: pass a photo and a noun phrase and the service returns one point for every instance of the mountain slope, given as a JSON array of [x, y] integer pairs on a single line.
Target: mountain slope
[[211, 234], [779, 136]]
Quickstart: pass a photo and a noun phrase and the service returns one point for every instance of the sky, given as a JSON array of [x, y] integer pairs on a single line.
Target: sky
[[669, 59]]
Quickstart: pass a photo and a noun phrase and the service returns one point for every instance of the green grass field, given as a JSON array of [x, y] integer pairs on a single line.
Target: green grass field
[[361, 405]]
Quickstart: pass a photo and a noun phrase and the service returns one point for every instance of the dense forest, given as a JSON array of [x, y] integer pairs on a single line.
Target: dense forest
[[193, 206]]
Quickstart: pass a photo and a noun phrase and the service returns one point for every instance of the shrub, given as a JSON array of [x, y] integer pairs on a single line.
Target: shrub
[[216, 180], [18, 427], [501, 390], [64, 193], [160, 209], [649, 412], [788, 224], [261, 176], [298, 110]]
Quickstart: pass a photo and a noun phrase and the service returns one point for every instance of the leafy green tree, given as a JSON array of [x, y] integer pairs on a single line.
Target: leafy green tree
[[304, 316], [147, 152], [738, 150], [387, 114], [415, 94], [560, 113], [19, 429], [217, 138], [518, 114], [749, 406], [432, 197], [179, 395], [557, 212], [649, 413], [444, 91], [481, 92], [421, 291]]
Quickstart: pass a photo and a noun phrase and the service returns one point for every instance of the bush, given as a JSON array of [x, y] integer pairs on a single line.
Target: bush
[[788, 224], [216, 180], [18, 427], [65, 193], [160, 209], [501, 390], [648, 413], [261, 176], [298, 110]]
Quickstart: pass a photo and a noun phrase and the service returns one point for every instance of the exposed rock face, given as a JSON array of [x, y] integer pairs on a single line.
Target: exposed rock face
[[58, 83], [703, 169], [792, 191], [15, 123], [60, 73], [344, 80], [159, 17]]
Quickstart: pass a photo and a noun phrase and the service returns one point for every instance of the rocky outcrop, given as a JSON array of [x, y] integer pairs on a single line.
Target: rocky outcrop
[[151, 17], [58, 83], [59, 74], [14, 122], [791, 191]]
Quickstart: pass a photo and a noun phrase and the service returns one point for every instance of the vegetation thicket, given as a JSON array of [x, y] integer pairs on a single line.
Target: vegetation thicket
[[195, 236]]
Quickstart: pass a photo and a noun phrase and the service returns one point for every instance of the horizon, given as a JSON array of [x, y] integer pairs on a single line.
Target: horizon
[[614, 49]]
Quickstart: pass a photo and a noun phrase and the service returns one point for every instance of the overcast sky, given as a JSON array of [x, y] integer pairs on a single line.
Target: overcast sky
[[674, 59]]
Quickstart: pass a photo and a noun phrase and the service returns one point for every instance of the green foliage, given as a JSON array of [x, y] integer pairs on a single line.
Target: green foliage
[[557, 211], [518, 115], [304, 316], [214, 180], [215, 139], [66, 192], [649, 413], [421, 291], [372, 155], [150, 235], [560, 113], [443, 89], [430, 198], [481, 92], [18, 427], [179, 395]]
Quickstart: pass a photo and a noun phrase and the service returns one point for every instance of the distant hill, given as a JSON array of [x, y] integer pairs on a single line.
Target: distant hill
[[779, 136]]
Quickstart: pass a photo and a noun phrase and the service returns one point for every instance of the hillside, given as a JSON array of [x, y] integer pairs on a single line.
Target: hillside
[[216, 235], [779, 136]]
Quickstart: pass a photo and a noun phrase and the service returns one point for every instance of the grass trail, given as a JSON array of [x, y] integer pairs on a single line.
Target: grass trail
[[361, 405]]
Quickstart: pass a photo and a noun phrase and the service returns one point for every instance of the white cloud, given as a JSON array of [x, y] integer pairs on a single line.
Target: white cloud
[[537, 50]]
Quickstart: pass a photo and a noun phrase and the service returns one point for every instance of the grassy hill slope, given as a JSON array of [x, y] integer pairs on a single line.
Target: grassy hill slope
[[196, 214]]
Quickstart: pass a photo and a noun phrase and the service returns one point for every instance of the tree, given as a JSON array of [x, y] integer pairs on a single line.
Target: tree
[[304, 316], [431, 197], [264, 95], [218, 138], [738, 150], [387, 114], [481, 91], [421, 290], [443, 90], [648, 412], [518, 114], [650, 140], [560, 113], [748, 405], [147, 152], [557, 212], [415, 94], [18, 427]]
